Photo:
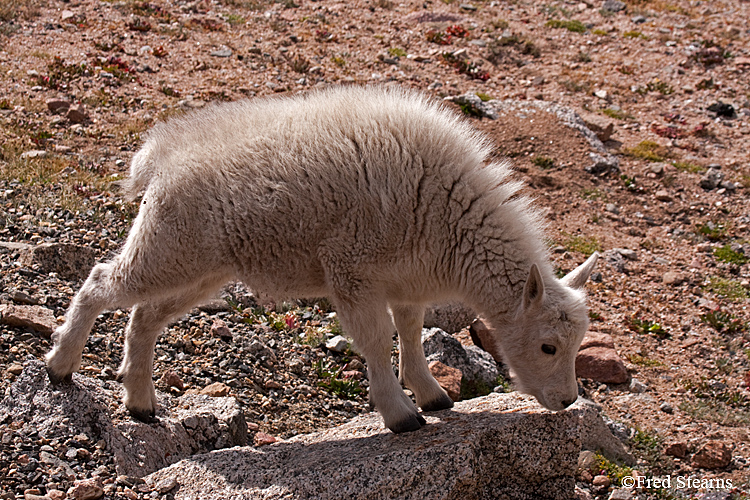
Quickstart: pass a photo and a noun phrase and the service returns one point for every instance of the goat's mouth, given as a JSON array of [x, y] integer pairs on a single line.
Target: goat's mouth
[[544, 402], [539, 396], [519, 387]]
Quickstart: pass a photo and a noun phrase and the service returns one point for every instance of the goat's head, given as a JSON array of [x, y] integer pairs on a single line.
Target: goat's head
[[541, 344]]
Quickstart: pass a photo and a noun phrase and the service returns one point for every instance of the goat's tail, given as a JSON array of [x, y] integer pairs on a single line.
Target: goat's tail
[[142, 169]]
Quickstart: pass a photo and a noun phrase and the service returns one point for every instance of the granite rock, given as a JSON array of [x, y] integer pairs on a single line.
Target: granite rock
[[477, 365], [70, 262], [484, 448], [187, 425]]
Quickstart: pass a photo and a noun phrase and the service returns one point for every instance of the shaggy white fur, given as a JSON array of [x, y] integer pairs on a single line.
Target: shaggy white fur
[[378, 198]]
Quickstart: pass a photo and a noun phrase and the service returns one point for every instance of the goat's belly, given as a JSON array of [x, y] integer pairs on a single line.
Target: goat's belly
[[288, 283]]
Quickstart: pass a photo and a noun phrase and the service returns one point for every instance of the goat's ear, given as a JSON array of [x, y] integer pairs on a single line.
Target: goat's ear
[[533, 290], [578, 276]]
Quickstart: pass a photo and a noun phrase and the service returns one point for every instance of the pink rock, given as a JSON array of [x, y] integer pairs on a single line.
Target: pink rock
[[597, 339], [77, 114], [37, 318], [601, 481], [449, 378], [58, 105], [355, 364], [712, 455], [130, 494], [262, 439], [352, 374], [56, 495], [215, 390], [481, 335], [581, 494], [663, 195], [34, 494], [172, 379], [672, 278], [601, 364], [272, 384], [87, 489], [678, 450], [220, 329]]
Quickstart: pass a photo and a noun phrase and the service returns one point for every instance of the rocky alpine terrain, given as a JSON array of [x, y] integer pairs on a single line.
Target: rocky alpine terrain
[[628, 120]]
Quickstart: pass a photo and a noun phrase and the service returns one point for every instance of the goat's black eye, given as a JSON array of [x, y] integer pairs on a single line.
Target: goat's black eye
[[548, 349]]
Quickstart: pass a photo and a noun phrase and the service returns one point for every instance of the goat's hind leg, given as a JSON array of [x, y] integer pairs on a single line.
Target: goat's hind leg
[[147, 321], [99, 292], [412, 364]]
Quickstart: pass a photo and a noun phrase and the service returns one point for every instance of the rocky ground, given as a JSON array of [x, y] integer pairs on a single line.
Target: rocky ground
[[663, 82]]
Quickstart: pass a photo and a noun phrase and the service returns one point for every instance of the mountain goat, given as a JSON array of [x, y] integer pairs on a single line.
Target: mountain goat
[[378, 198]]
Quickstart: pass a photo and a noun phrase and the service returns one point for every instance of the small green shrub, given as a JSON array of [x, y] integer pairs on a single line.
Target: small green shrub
[[634, 34], [713, 231], [648, 150], [329, 374], [716, 403], [543, 162], [617, 114], [726, 254], [723, 322], [730, 289], [593, 194], [615, 472], [647, 327], [687, 166], [648, 446], [586, 245], [438, 37], [630, 182], [659, 86], [639, 360], [716, 411], [235, 19], [571, 25]]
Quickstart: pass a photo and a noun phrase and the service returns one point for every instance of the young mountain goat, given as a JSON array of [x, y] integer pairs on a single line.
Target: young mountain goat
[[377, 198]]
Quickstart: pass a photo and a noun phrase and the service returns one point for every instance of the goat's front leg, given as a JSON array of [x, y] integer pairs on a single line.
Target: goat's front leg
[[371, 327], [412, 366]]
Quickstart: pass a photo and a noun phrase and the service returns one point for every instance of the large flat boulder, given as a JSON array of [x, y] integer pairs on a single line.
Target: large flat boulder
[[498, 446]]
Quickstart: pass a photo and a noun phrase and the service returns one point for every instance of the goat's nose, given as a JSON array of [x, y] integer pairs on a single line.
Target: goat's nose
[[568, 402]]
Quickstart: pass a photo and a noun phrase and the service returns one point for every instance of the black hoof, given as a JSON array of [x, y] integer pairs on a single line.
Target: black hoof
[[119, 378], [145, 416], [56, 380], [413, 423], [442, 403]]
